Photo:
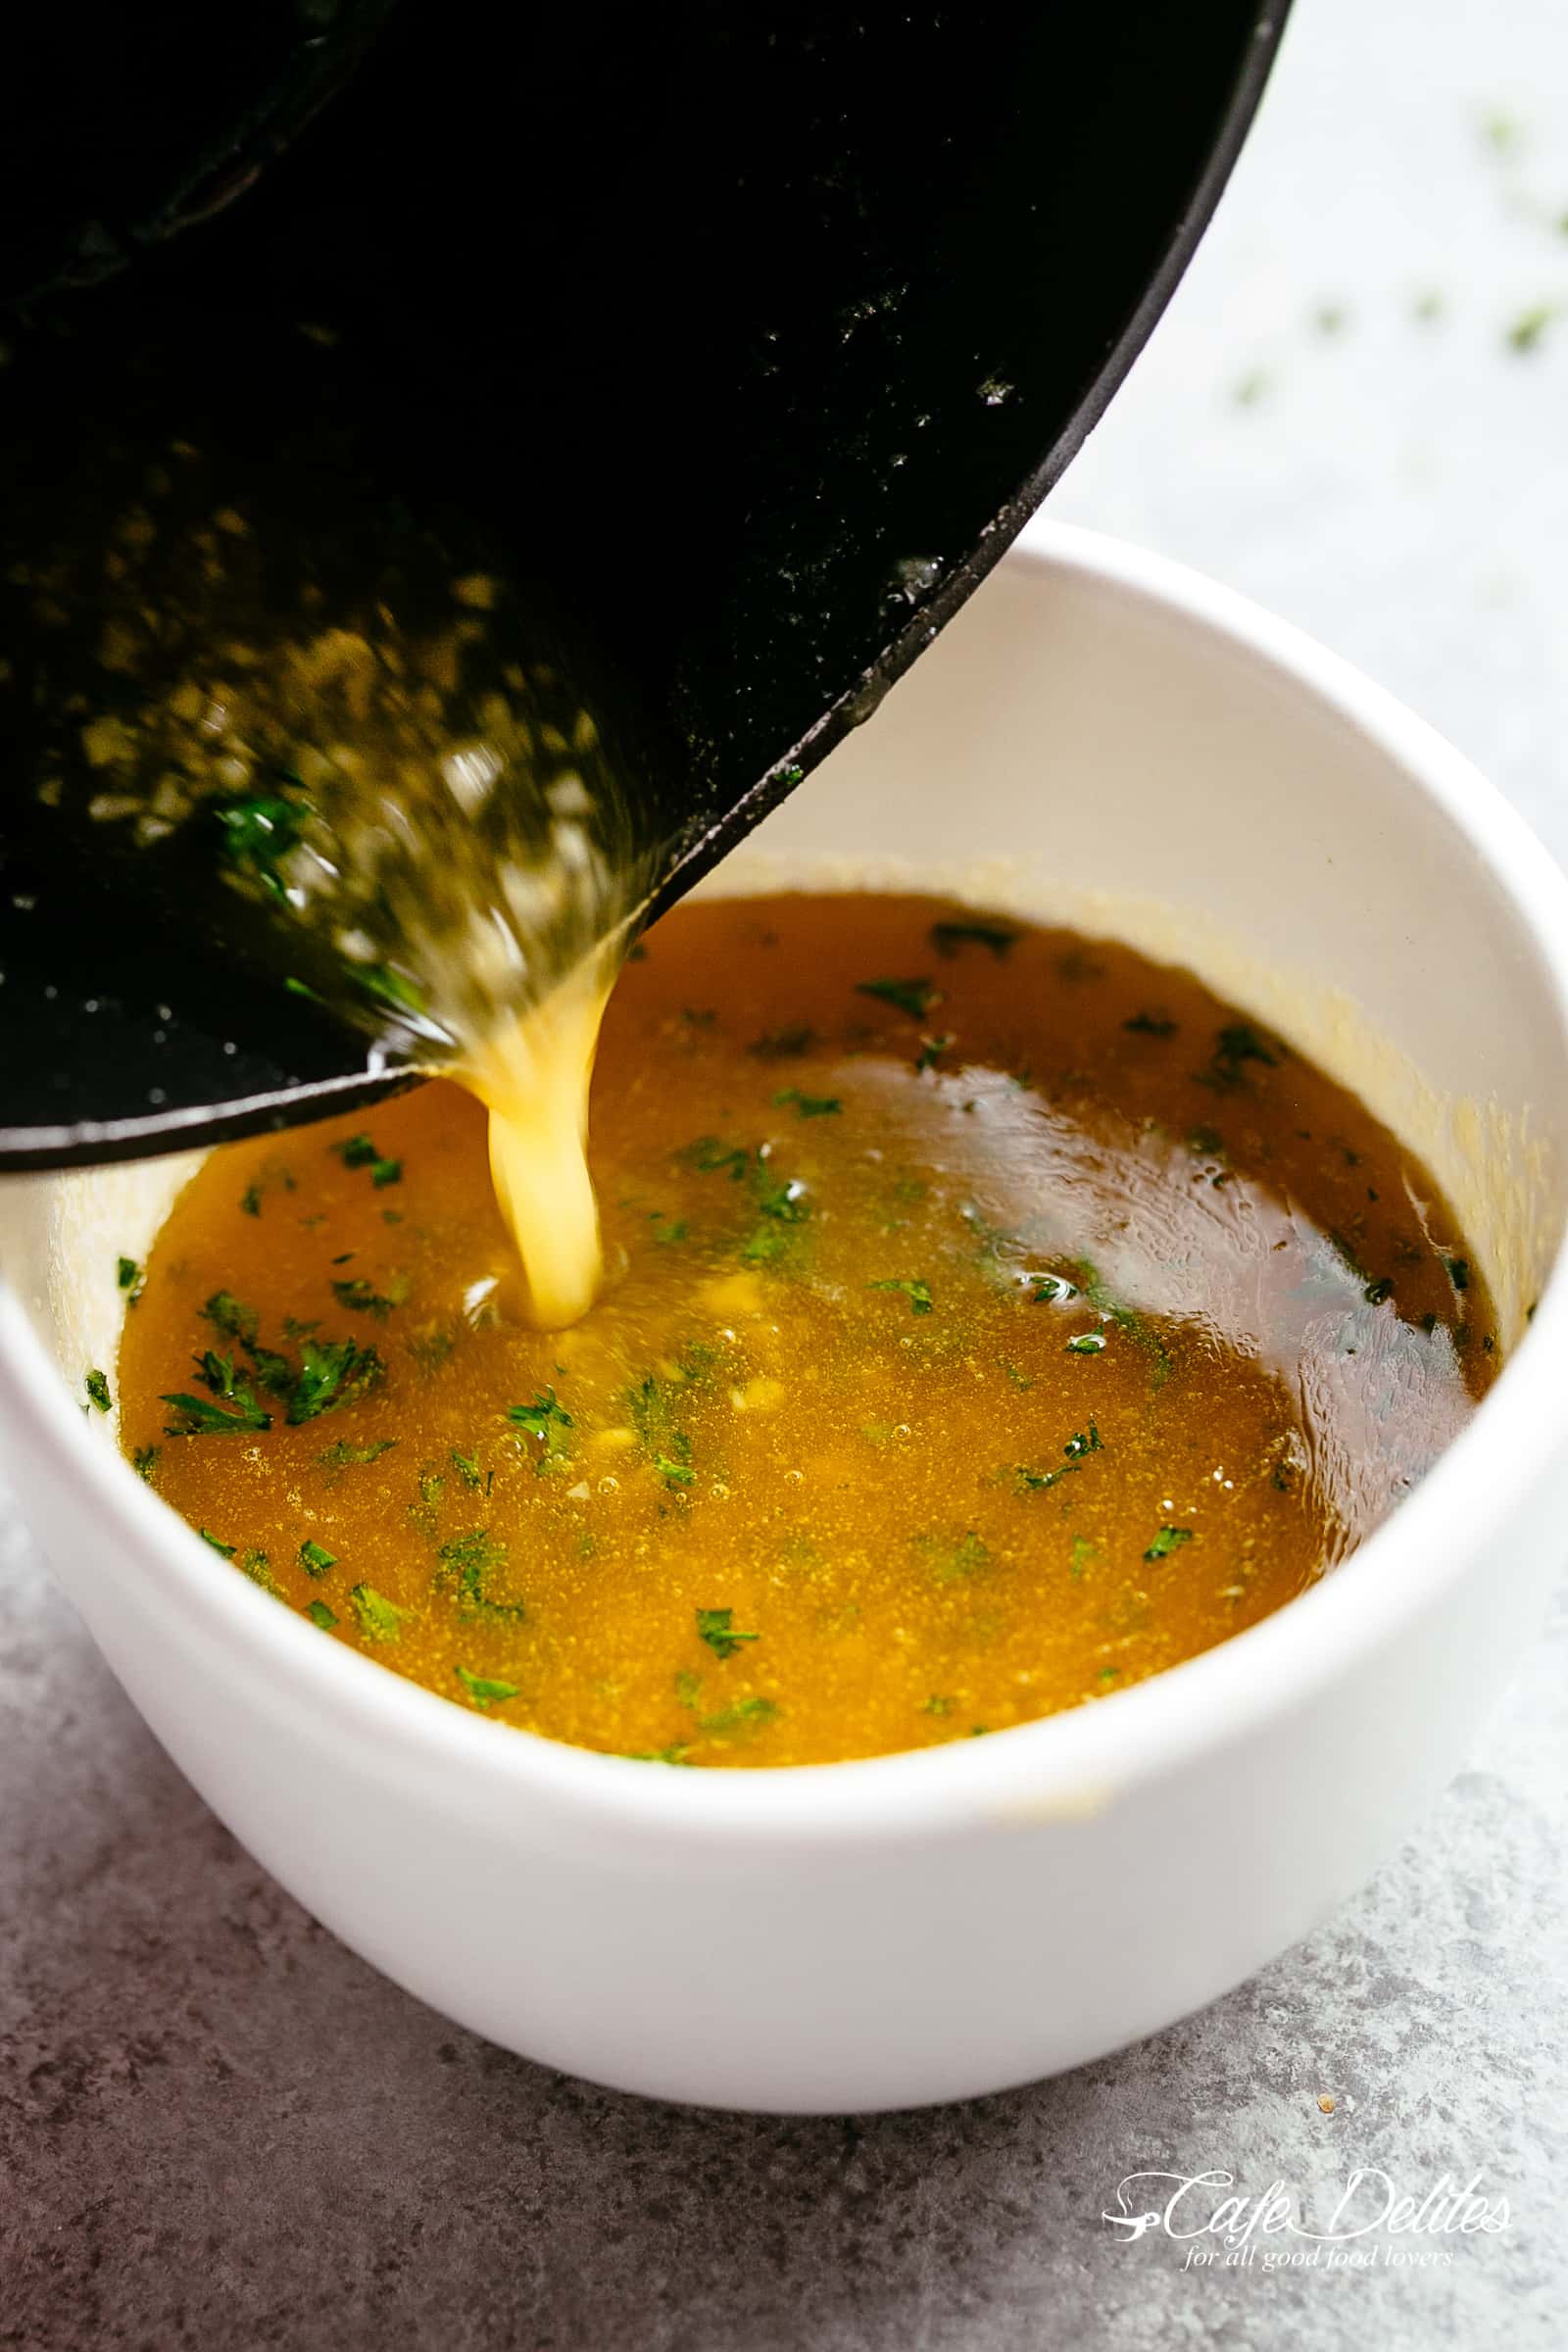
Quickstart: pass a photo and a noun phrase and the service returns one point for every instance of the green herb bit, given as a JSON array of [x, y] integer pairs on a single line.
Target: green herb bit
[[362, 1298], [939, 1706], [378, 1619], [313, 1560], [96, 1384], [359, 1152], [674, 1464], [1040, 1481], [1458, 1272], [1083, 1553], [1085, 1441], [199, 1418], [1050, 1290], [917, 1293], [1108, 1674], [710, 1155], [319, 1614], [1087, 1343], [431, 1346], [470, 1559], [1150, 1024], [344, 1456], [931, 1051], [715, 1626], [255, 1565], [913, 996], [232, 1317], [249, 1201], [949, 938], [145, 1460], [389, 986], [482, 1690], [337, 1373], [742, 1715], [670, 1231], [257, 830], [676, 1753], [1234, 1047], [546, 1421], [783, 1044], [217, 1541], [466, 1466], [1019, 1379], [298, 988], [1378, 1293], [131, 1280], [1529, 330], [949, 1557], [1169, 1540], [809, 1107]]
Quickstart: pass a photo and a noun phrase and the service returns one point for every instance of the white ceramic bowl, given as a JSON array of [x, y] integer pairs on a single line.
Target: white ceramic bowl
[[1099, 735]]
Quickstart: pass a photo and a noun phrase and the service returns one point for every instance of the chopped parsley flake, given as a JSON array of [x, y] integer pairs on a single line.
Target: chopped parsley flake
[[337, 1373], [1087, 1343], [378, 1619], [466, 1466], [313, 1560], [917, 1293], [949, 1557], [1234, 1047], [949, 938], [711, 1157], [359, 1152], [809, 1107], [939, 1706], [1150, 1024], [217, 1541], [200, 1417], [469, 1561], [362, 1298], [1040, 1481], [131, 1280], [1458, 1272], [143, 1461], [783, 1044], [931, 1051], [344, 1456], [1085, 1442], [1046, 1289], [742, 1715], [715, 1628], [96, 1384], [319, 1614], [913, 996], [547, 1421], [1169, 1540], [481, 1690]]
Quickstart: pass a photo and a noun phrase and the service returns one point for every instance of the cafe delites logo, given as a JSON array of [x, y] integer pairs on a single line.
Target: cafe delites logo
[[1368, 2222]]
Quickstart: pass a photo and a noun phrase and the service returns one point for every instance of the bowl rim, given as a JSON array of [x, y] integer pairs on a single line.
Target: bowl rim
[[1065, 1766]]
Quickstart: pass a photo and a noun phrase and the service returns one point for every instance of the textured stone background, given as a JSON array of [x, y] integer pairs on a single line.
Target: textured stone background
[[218, 2129]]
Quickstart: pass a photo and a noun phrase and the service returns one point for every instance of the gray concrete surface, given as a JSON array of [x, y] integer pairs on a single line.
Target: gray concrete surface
[[220, 2130]]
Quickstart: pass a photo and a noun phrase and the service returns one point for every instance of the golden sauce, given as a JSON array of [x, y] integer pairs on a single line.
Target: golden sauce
[[992, 1319]]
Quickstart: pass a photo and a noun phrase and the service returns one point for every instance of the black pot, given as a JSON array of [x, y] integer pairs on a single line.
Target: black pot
[[754, 337]]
